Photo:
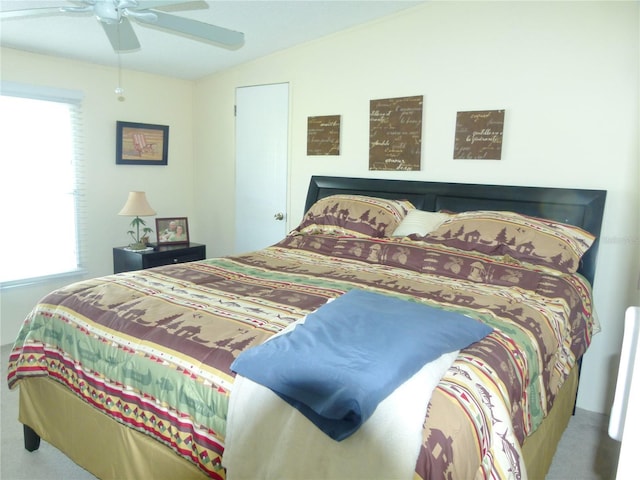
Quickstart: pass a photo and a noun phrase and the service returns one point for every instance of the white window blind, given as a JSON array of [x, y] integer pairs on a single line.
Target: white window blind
[[41, 187]]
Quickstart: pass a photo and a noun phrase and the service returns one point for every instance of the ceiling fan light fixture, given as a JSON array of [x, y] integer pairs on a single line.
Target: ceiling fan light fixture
[[107, 12]]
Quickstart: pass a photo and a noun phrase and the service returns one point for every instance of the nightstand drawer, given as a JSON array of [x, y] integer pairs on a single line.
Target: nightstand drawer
[[126, 260], [170, 257]]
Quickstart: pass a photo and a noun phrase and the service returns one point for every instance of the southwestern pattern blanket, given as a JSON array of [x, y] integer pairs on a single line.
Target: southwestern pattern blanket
[[153, 348]]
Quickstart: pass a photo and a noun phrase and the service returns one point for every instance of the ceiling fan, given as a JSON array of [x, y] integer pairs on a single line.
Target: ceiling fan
[[114, 17]]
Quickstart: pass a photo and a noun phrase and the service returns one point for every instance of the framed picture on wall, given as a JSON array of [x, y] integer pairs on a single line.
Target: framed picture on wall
[[141, 143], [395, 133], [323, 135], [479, 135], [172, 230]]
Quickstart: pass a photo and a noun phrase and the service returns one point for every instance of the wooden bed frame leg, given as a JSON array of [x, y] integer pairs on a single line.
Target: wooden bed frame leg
[[31, 438], [575, 401]]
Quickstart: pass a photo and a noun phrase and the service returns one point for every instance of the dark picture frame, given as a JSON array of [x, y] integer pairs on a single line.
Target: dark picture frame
[[141, 143], [172, 230]]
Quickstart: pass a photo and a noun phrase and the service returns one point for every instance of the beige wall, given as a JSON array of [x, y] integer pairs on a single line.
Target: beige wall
[[149, 99], [566, 74]]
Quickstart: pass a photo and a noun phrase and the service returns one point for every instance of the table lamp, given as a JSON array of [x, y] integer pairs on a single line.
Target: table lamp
[[137, 206]]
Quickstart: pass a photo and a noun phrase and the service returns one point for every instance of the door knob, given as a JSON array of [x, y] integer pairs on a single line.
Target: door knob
[[279, 216]]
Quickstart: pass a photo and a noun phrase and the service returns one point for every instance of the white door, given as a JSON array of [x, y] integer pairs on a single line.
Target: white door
[[262, 126]]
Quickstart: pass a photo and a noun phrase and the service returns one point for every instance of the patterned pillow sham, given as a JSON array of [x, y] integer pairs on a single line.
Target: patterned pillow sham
[[354, 216], [528, 239]]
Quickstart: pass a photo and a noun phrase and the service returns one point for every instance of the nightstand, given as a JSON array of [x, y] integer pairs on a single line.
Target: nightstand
[[126, 260]]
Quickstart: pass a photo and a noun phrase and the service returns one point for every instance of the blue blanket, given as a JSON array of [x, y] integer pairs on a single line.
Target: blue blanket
[[350, 354]]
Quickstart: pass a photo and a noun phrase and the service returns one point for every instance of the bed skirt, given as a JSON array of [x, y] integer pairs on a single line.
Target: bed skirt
[[93, 440], [538, 449]]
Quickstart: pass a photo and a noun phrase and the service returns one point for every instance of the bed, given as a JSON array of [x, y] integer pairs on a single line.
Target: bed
[[144, 358]]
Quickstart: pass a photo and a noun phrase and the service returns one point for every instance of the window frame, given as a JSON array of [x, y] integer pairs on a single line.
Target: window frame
[[74, 99]]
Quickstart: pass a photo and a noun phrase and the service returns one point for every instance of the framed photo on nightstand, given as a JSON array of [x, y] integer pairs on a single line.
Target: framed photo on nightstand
[[172, 231]]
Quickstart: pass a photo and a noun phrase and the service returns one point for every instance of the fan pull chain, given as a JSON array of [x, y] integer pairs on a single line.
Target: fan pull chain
[[119, 91]]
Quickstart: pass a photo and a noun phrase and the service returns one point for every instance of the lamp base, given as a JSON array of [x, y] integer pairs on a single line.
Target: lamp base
[[137, 246]]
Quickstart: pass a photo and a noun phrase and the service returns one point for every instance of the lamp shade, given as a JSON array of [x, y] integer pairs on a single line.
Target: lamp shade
[[137, 206]]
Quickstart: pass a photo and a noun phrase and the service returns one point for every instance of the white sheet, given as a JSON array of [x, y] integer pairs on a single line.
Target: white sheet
[[268, 439]]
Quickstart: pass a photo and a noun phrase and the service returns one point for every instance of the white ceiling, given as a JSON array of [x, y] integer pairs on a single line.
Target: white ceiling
[[268, 26]]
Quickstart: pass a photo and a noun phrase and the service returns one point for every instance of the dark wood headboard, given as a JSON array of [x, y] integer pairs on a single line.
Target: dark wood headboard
[[583, 208]]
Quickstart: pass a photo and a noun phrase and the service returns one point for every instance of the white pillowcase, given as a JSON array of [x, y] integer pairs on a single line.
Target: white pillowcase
[[419, 222]]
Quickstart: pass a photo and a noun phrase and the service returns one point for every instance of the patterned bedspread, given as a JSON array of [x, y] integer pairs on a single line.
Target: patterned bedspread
[[152, 348]]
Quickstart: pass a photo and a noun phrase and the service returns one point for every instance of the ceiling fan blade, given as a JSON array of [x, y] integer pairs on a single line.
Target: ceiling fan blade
[[197, 30], [31, 12], [172, 5], [121, 35]]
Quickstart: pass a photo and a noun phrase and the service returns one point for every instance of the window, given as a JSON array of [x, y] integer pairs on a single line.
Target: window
[[40, 196]]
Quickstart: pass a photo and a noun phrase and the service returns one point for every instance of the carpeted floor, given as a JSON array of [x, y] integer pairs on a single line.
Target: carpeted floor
[[585, 452]]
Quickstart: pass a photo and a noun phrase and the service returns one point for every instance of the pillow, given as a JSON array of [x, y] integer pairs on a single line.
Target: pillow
[[530, 239], [354, 215], [419, 222]]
